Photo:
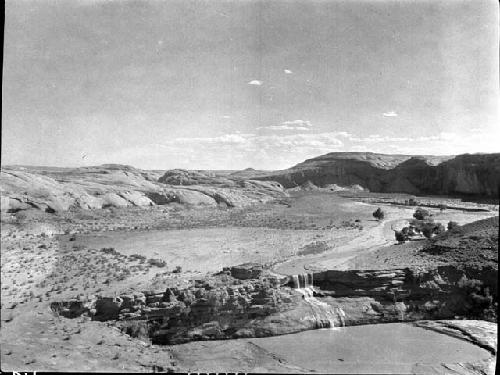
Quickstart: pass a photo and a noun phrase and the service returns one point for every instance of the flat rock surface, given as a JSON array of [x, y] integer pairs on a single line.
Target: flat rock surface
[[350, 350]]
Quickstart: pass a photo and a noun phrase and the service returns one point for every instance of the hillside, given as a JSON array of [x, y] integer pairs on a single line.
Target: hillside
[[112, 185], [473, 175], [473, 244]]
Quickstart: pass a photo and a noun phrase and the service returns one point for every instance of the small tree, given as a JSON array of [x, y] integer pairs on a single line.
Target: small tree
[[421, 214], [430, 228], [401, 237], [378, 214], [439, 228], [427, 230], [452, 225]]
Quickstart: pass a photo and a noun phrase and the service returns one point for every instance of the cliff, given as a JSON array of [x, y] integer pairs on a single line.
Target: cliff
[[473, 175], [223, 306]]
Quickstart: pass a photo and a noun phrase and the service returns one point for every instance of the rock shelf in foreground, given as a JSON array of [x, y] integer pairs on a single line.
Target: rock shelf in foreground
[[223, 306]]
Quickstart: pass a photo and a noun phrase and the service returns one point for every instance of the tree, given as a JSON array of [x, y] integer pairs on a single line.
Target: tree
[[439, 228], [412, 202], [400, 236], [430, 228], [421, 214], [452, 225], [378, 214], [427, 230]]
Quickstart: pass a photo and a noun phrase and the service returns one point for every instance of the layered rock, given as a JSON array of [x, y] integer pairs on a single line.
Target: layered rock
[[246, 271], [476, 175], [244, 301]]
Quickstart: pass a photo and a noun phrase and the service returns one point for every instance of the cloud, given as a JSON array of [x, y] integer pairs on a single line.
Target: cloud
[[290, 125], [298, 123], [287, 71], [284, 127], [281, 149], [229, 151], [255, 82], [390, 114]]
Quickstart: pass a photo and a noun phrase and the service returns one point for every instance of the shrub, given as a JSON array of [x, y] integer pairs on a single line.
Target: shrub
[[378, 214], [110, 250], [453, 225], [430, 228], [178, 269], [157, 262], [137, 256], [439, 228], [479, 303], [421, 214], [401, 237], [426, 230]]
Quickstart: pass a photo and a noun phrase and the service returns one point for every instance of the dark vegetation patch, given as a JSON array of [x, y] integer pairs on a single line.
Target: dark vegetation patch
[[316, 247], [474, 243]]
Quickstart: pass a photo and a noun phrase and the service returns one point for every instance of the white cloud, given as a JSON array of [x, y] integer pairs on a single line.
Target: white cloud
[[298, 123], [229, 151], [390, 114], [287, 71], [255, 82], [284, 127], [281, 149], [290, 125]]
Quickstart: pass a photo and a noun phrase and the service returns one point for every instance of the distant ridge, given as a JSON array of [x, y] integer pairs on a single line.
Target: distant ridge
[[475, 175], [467, 174]]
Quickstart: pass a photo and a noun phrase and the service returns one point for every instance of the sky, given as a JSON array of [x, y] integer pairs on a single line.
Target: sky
[[238, 84]]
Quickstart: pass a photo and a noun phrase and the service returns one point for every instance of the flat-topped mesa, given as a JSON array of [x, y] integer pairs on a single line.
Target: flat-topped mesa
[[471, 175]]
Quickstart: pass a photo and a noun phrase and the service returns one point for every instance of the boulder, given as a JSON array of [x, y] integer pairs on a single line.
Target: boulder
[[136, 198], [192, 197], [247, 271], [107, 308], [113, 200]]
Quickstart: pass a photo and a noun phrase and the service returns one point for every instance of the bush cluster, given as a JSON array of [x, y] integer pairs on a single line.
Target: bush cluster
[[424, 224], [378, 214], [479, 303]]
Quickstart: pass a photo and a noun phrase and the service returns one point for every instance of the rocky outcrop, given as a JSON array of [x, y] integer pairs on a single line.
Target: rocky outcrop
[[185, 177], [440, 293], [246, 271], [216, 308], [112, 185], [245, 301], [475, 175]]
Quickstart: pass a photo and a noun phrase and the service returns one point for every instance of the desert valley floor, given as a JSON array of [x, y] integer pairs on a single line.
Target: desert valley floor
[[54, 265]]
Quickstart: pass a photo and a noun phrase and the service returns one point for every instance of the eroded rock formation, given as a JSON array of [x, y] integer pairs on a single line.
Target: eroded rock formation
[[475, 175], [243, 301], [60, 189]]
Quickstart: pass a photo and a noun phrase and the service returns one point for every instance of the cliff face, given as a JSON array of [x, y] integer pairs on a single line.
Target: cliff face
[[475, 175], [471, 174], [259, 305]]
